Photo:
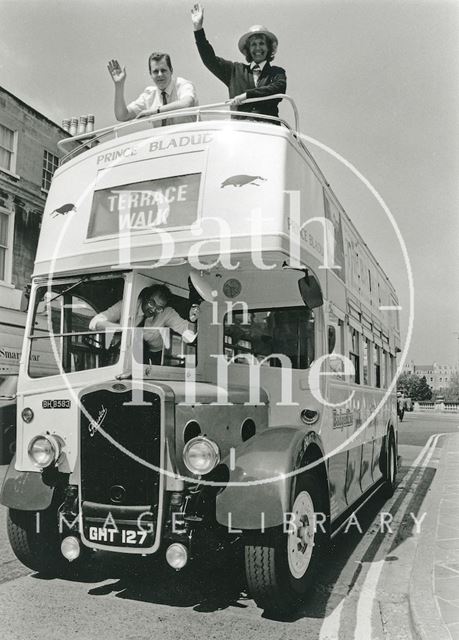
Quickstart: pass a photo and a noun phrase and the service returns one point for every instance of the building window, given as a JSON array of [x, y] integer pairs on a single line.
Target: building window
[[50, 164], [7, 149], [6, 244]]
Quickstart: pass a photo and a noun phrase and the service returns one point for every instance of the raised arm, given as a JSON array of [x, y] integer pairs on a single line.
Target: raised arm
[[178, 324], [118, 75], [108, 319], [218, 66]]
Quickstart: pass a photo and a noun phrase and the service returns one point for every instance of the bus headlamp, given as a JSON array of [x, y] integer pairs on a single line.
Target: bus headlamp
[[201, 455], [44, 450], [27, 415]]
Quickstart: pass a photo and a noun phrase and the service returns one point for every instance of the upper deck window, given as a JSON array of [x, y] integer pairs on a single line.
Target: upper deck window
[[145, 206]]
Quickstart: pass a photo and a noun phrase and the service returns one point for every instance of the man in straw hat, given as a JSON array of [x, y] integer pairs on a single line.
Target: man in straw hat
[[256, 79]]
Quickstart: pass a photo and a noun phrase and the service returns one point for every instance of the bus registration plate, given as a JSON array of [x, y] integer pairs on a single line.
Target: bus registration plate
[[122, 536]]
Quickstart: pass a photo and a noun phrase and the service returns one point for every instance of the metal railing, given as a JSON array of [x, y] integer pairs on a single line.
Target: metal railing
[[88, 140], [437, 407]]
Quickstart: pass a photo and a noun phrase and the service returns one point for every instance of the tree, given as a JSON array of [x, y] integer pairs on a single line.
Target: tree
[[424, 392], [408, 384]]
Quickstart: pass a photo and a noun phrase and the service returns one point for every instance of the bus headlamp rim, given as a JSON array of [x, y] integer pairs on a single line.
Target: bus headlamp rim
[[312, 418], [55, 446], [212, 448]]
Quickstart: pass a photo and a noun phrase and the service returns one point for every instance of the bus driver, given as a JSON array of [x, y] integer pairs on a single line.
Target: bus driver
[[153, 312]]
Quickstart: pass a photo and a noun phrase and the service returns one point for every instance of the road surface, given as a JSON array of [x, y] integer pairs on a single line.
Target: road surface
[[361, 592]]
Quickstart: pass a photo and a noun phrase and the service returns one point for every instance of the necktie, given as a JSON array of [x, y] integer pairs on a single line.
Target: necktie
[[164, 100], [256, 74]]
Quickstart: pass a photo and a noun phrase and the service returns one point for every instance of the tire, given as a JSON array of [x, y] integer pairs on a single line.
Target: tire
[[390, 470], [37, 550], [281, 567]]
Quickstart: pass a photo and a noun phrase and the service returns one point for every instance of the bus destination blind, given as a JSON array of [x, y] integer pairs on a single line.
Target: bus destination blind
[[163, 203]]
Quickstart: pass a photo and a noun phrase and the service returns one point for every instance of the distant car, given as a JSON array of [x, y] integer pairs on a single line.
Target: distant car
[[8, 386], [439, 399]]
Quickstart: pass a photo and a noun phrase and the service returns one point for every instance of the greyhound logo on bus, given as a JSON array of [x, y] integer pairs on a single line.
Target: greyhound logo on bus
[[241, 180], [63, 210]]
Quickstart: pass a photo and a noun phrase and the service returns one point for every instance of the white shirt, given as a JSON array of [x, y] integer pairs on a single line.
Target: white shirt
[[256, 75], [260, 64], [151, 98], [168, 317]]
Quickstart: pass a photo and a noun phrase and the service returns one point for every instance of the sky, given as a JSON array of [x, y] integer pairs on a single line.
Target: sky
[[377, 81]]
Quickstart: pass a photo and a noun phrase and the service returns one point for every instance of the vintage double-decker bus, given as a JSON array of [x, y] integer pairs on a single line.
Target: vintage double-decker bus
[[268, 426]]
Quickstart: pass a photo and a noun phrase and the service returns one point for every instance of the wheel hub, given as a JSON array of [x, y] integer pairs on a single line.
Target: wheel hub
[[300, 540]]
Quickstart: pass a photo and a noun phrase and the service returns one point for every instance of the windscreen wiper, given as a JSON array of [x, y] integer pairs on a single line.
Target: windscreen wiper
[[72, 286]]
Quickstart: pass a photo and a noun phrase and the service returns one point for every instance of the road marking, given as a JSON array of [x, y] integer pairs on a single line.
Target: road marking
[[363, 627], [367, 597], [330, 628], [331, 624]]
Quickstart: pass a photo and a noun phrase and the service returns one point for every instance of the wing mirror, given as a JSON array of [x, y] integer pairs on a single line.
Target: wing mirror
[[310, 291]]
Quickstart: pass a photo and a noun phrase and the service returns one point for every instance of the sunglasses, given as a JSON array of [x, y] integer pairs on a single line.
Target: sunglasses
[[151, 304]]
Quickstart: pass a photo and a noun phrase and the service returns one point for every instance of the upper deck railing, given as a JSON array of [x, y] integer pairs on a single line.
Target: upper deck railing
[[88, 140]]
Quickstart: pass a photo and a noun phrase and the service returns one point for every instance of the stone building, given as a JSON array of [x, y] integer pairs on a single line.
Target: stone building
[[28, 158], [438, 376]]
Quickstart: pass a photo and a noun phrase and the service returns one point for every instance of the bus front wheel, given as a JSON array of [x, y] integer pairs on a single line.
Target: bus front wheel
[[35, 540], [281, 564]]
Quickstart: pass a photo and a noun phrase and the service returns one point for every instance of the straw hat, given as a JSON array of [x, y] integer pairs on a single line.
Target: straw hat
[[257, 29]]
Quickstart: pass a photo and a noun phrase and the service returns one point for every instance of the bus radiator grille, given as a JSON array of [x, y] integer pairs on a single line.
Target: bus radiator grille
[[111, 472]]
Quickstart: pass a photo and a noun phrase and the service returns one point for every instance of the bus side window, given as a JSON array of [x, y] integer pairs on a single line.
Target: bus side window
[[383, 369], [354, 353], [331, 338], [366, 354], [336, 346], [377, 365]]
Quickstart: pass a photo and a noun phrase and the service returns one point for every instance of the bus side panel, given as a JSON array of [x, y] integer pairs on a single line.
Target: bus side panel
[[366, 479], [337, 475], [353, 490]]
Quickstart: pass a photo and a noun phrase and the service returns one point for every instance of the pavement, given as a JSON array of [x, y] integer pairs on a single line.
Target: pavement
[[434, 584]]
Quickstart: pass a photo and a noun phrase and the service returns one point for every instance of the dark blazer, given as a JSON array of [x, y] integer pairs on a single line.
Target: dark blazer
[[238, 77]]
